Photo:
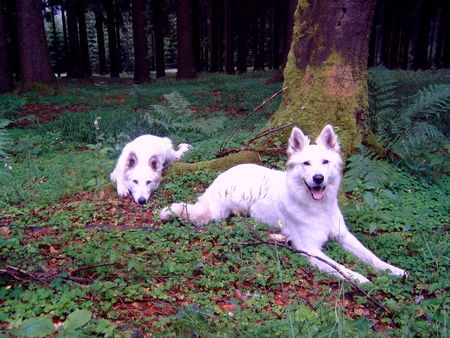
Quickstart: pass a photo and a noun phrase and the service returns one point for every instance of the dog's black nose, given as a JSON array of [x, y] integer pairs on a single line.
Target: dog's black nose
[[318, 178], [142, 200]]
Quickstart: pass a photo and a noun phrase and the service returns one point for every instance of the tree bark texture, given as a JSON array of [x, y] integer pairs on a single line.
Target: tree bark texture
[[74, 64], [6, 78], [35, 63], [141, 66], [158, 28], [229, 35], [288, 28], [243, 29], [100, 39], [85, 59], [186, 63], [326, 72], [114, 66]]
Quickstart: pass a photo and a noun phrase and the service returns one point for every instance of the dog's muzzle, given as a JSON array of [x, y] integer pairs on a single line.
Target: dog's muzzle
[[317, 191]]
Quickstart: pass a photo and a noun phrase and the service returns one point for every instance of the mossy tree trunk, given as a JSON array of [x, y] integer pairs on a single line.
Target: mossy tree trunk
[[325, 76], [326, 71]]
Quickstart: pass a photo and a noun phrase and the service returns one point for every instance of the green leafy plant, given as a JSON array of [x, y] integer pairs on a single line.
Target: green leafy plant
[[411, 128]]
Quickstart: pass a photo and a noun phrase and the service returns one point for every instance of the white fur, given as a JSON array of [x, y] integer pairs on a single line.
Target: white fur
[[302, 201], [140, 165]]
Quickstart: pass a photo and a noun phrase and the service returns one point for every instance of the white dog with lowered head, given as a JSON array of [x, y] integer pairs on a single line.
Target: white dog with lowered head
[[302, 201], [140, 165]]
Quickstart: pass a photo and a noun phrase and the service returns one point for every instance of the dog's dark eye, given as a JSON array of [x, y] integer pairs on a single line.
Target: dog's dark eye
[[306, 163], [135, 181], [325, 162], [148, 182]]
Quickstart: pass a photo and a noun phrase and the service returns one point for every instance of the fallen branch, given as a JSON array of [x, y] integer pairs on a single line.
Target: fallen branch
[[338, 269], [257, 150], [267, 132], [250, 114], [43, 278]]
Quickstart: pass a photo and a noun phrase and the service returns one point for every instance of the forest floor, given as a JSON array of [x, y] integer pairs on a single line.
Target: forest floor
[[75, 254]]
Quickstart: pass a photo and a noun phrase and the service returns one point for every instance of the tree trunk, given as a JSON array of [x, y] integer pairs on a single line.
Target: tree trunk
[[6, 78], [57, 58], [420, 37], [65, 38], [196, 37], [158, 24], [100, 39], [326, 77], [326, 72], [288, 27], [112, 43], [35, 63], [213, 36], [185, 59], [243, 28], [118, 22], [259, 36], [74, 64], [229, 34], [85, 59], [141, 66]]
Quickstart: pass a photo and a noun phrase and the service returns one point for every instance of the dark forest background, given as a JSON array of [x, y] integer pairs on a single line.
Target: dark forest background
[[86, 37]]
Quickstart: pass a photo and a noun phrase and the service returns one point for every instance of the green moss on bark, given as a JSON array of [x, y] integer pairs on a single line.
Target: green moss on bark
[[333, 92], [218, 164]]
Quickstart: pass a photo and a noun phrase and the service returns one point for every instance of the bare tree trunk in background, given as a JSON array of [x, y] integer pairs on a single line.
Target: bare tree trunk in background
[[35, 64], [74, 62], [186, 62], [229, 45], [213, 36], [6, 76], [141, 66], [85, 59], [288, 27], [114, 67], [158, 24], [57, 57], [243, 27], [100, 39]]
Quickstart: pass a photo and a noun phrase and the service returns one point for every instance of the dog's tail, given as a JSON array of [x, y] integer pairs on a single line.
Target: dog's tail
[[198, 213]]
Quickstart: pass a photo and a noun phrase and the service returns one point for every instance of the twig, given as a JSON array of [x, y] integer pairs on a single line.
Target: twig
[[250, 114], [268, 131], [274, 243], [87, 267], [24, 276]]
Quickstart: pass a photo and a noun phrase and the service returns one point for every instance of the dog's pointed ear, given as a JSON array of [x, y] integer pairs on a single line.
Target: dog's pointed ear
[[328, 138], [154, 163], [297, 141], [131, 160]]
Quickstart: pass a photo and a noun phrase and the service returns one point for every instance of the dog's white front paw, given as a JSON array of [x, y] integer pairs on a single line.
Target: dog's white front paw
[[122, 190], [397, 271], [358, 277], [165, 214]]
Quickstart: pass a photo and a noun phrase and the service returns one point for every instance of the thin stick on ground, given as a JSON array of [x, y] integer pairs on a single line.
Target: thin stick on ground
[[274, 243], [250, 114], [267, 132]]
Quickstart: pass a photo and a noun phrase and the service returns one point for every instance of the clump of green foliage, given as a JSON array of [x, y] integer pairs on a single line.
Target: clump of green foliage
[[410, 117]]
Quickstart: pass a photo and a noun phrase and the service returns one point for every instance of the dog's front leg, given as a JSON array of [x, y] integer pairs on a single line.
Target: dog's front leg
[[122, 189], [328, 268], [353, 245]]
